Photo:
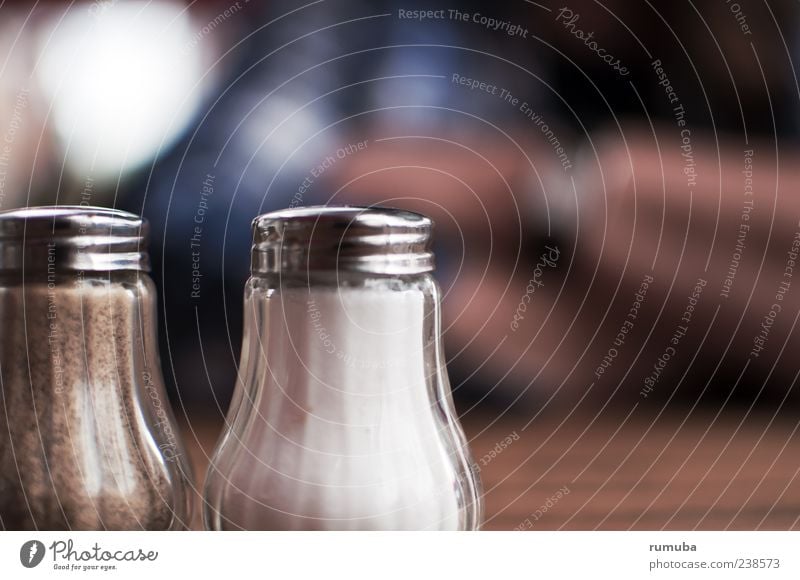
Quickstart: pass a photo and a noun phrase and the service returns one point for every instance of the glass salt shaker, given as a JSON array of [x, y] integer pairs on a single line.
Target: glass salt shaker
[[342, 416], [88, 438]]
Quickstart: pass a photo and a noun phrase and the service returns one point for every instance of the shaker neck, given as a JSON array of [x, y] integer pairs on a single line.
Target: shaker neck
[[382, 330]]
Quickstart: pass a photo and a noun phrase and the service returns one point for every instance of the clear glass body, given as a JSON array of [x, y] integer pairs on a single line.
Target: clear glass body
[[342, 418], [89, 441]]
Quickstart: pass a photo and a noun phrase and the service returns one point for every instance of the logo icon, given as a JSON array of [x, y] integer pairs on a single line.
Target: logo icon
[[31, 553]]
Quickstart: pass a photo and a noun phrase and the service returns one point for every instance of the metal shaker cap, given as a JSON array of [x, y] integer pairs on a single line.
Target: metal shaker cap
[[72, 237], [373, 240]]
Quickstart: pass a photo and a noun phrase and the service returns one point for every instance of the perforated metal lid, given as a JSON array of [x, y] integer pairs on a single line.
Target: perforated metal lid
[[373, 240], [72, 238]]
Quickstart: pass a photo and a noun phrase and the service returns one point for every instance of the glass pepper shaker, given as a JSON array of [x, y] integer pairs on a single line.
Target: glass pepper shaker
[[88, 439], [342, 416]]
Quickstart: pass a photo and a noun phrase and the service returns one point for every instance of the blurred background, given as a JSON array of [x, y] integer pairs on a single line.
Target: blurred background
[[614, 186]]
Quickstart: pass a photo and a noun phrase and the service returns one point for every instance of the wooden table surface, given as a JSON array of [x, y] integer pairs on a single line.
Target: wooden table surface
[[685, 471]]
